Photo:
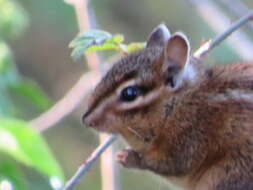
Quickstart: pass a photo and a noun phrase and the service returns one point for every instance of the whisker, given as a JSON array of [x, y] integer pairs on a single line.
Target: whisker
[[136, 133]]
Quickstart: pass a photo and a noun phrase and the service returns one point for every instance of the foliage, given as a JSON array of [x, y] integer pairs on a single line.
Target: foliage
[[11, 81], [26, 146], [99, 40], [13, 20], [29, 89], [17, 139], [11, 174]]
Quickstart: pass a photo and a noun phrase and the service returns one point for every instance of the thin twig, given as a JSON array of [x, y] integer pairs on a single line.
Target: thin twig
[[88, 163], [204, 49], [219, 23], [237, 8]]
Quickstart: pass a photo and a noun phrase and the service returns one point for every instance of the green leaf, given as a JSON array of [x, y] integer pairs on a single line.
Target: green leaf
[[102, 47], [135, 46], [118, 38], [5, 57], [13, 19], [9, 173], [8, 75], [112, 44], [6, 104], [97, 35], [30, 90], [95, 40], [13, 85], [25, 145], [8, 71]]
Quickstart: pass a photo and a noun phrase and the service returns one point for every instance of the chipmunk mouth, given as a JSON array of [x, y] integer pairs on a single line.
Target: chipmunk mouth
[[88, 121], [83, 118], [104, 129], [96, 125]]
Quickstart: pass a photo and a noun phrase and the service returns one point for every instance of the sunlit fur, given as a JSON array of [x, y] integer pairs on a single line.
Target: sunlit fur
[[200, 134]]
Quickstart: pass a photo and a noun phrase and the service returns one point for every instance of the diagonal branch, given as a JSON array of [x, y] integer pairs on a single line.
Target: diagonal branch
[[67, 104], [88, 163], [203, 50], [238, 9], [219, 23]]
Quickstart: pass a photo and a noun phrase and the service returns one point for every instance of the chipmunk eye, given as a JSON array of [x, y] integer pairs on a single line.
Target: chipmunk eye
[[130, 93]]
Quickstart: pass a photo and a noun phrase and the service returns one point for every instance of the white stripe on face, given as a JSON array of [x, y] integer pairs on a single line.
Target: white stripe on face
[[235, 94]]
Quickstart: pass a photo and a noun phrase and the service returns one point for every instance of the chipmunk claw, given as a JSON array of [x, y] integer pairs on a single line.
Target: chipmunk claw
[[129, 158]]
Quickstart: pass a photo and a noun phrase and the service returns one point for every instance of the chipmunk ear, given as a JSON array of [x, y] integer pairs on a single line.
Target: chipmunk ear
[[176, 65], [159, 36]]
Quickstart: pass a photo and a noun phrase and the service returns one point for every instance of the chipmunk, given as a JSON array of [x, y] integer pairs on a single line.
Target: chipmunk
[[186, 121]]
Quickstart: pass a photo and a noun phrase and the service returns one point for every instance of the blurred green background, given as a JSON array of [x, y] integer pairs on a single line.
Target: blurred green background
[[39, 45]]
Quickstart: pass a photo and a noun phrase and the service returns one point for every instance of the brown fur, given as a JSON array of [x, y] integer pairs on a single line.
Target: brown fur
[[199, 134]]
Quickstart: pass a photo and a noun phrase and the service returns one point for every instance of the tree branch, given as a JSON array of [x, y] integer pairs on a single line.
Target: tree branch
[[67, 104], [219, 23], [84, 168], [237, 8], [204, 49]]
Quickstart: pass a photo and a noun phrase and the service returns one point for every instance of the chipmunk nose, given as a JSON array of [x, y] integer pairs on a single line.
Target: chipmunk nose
[[85, 119]]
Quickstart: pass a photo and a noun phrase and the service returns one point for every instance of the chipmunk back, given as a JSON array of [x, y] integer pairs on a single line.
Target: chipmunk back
[[188, 122]]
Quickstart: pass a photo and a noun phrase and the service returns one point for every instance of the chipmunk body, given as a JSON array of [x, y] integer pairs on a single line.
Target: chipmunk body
[[190, 123]]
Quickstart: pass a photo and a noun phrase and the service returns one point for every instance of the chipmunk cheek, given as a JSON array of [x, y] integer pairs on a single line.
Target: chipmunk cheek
[[108, 121]]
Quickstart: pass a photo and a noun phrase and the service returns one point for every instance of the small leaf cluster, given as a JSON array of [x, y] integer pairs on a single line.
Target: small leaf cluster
[[99, 40]]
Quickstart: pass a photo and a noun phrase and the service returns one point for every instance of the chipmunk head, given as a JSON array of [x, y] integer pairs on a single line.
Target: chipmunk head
[[131, 94]]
